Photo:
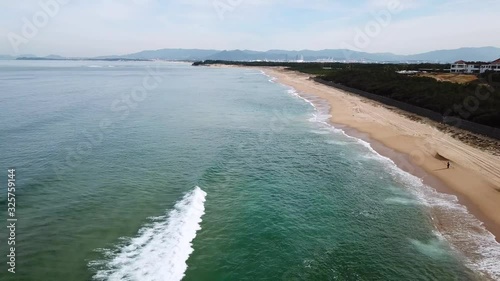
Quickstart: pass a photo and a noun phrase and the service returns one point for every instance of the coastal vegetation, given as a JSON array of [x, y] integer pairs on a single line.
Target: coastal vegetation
[[478, 102]]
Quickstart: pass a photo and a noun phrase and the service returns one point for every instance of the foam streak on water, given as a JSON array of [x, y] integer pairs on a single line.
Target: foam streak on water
[[271, 78], [161, 249], [469, 237]]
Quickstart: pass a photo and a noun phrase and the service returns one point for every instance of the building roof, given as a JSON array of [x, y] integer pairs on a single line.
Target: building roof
[[477, 62], [496, 61], [473, 62]]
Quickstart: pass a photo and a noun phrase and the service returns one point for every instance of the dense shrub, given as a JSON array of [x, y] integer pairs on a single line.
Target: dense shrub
[[442, 97]]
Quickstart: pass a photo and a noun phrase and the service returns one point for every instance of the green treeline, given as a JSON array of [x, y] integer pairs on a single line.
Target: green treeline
[[478, 102]]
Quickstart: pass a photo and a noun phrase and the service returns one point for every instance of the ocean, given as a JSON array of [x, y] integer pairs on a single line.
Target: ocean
[[164, 171]]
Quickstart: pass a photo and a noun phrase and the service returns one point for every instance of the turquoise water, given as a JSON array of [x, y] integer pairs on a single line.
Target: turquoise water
[[162, 171]]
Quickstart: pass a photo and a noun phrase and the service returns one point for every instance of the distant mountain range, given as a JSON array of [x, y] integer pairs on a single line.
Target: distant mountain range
[[440, 56]]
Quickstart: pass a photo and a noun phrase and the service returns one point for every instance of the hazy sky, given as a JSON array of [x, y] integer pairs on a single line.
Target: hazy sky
[[105, 27]]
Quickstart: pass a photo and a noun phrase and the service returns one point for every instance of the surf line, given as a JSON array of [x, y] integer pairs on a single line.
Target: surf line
[[161, 249]]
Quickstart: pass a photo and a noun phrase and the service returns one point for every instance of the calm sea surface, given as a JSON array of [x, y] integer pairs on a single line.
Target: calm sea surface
[[162, 171]]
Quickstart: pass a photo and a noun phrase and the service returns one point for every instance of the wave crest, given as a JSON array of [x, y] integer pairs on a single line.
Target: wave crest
[[161, 249]]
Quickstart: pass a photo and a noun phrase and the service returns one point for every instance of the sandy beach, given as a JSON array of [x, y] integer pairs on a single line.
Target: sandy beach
[[474, 175]]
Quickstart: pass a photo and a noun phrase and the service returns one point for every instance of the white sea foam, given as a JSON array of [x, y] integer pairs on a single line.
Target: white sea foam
[[161, 249], [321, 132], [434, 248], [483, 252], [271, 78], [338, 143], [368, 214], [402, 201], [294, 93]]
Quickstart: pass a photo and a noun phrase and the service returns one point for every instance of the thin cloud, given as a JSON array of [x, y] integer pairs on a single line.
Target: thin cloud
[[105, 27]]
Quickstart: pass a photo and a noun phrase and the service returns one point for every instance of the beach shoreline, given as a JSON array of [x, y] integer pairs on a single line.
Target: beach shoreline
[[422, 150], [417, 148]]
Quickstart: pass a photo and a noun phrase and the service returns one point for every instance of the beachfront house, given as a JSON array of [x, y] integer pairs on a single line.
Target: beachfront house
[[465, 67], [474, 67], [458, 67], [493, 66]]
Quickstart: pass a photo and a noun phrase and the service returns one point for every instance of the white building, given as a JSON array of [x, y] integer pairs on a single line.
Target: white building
[[493, 66], [465, 67], [474, 67]]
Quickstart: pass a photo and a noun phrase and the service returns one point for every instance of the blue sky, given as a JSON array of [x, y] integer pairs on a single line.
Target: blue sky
[[104, 27]]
